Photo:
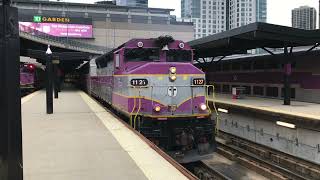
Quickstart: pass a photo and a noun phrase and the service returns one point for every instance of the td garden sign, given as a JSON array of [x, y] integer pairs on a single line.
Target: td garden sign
[[44, 19]]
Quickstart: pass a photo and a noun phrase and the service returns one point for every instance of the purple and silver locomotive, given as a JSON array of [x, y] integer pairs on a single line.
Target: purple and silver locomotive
[[164, 96]]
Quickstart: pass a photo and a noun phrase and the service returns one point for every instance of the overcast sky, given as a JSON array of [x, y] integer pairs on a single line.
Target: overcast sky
[[279, 11]]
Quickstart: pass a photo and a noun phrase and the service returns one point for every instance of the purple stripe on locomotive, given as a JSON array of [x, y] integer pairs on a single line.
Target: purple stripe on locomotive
[[163, 67]]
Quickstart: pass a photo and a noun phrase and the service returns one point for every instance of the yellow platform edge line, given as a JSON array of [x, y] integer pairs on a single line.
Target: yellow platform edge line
[[29, 97], [267, 109], [153, 165]]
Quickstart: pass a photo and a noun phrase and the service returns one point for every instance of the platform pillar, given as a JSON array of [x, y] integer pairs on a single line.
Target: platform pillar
[[49, 82], [286, 82], [56, 82], [11, 166]]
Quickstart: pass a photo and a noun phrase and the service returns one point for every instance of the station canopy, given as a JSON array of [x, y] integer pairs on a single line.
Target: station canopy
[[252, 36]]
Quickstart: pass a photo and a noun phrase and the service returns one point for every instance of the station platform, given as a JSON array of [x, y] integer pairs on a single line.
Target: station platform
[[82, 141], [296, 109]]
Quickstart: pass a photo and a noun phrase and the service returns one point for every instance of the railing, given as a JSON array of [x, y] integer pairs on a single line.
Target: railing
[[133, 114], [62, 42]]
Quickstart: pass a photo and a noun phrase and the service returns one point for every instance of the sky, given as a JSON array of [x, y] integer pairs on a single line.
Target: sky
[[279, 11]]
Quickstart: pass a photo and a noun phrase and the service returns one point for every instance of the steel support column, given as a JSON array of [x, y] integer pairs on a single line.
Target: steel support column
[[287, 74], [10, 101], [56, 82], [49, 83]]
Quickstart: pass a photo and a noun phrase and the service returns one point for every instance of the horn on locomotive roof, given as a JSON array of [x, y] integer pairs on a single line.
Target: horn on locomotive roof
[[163, 41]]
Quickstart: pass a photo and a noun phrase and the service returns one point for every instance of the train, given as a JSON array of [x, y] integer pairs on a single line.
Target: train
[[31, 77], [262, 75], [155, 86]]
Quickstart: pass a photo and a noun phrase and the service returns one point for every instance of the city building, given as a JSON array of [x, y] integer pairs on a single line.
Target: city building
[[99, 24], [244, 12], [208, 16], [214, 16], [134, 3], [304, 17]]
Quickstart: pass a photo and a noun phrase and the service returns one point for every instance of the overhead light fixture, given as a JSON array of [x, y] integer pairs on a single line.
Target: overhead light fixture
[[284, 124], [223, 110]]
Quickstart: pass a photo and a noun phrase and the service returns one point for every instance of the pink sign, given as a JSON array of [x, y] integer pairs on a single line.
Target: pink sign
[[56, 29]]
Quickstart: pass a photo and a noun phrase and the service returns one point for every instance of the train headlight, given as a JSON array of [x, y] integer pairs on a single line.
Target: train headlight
[[173, 77], [157, 108], [203, 107], [173, 70]]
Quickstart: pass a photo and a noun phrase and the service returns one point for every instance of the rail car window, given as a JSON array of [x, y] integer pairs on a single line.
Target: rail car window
[[226, 88], [258, 64], [236, 66], [142, 54], [272, 64], [272, 92], [226, 66], [247, 90], [258, 90], [177, 55], [246, 65], [217, 88], [292, 93]]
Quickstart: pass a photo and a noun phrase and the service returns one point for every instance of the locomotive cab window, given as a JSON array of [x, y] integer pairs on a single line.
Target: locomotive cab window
[[177, 55], [142, 54]]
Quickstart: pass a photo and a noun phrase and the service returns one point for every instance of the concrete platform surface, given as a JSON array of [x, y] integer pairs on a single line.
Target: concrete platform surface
[[82, 141], [301, 109]]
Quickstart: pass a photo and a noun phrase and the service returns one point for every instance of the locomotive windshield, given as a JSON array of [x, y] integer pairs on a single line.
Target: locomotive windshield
[[142, 54], [177, 55]]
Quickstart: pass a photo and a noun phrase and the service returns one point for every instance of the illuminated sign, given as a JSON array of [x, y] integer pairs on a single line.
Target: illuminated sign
[[36, 18], [57, 29], [45, 19]]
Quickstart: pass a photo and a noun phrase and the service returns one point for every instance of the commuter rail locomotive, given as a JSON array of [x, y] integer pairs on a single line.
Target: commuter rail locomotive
[[31, 77], [164, 96]]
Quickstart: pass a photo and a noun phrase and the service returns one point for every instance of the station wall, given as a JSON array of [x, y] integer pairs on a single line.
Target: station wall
[[298, 142]]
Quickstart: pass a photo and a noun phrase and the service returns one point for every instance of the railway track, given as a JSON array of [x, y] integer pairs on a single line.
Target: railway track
[[266, 161], [204, 172], [200, 170]]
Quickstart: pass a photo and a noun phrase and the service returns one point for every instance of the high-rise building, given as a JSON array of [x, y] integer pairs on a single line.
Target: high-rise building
[[208, 16], [133, 3], [214, 16], [304, 17], [244, 12]]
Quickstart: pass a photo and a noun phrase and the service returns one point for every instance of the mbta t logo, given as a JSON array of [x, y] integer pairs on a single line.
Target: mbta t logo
[[172, 91]]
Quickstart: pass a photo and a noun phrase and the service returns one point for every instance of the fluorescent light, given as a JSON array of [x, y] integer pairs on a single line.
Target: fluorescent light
[[288, 125], [223, 110]]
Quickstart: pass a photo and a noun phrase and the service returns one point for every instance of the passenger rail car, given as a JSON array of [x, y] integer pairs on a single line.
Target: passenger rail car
[[31, 77], [154, 83]]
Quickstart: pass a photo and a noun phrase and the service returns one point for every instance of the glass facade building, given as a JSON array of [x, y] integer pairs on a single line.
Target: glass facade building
[[214, 16], [261, 10], [132, 3]]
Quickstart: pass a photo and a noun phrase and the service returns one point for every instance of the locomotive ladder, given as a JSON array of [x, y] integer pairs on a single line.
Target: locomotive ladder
[[133, 114], [214, 105]]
